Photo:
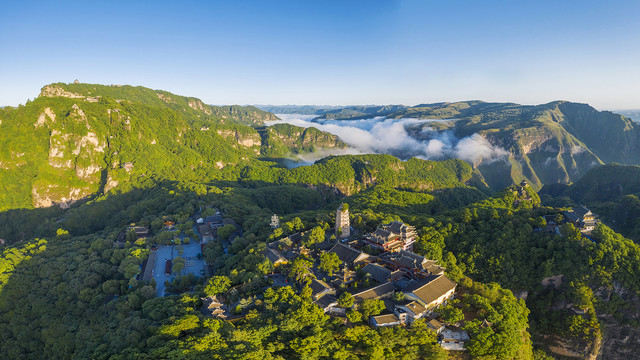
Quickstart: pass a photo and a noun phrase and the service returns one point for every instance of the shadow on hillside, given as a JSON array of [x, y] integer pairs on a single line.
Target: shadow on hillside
[[120, 208], [23, 224], [64, 291]]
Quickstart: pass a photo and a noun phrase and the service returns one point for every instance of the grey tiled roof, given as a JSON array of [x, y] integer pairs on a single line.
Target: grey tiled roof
[[348, 254], [377, 272], [375, 292]]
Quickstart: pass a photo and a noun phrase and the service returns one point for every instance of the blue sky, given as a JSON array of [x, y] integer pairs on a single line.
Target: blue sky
[[330, 52]]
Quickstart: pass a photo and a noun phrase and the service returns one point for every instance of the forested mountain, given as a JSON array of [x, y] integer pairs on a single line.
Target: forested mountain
[[431, 186], [360, 112], [74, 288], [76, 140], [551, 143], [247, 115], [335, 112]]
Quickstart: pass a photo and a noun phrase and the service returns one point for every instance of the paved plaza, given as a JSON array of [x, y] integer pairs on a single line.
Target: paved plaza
[[168, 252]]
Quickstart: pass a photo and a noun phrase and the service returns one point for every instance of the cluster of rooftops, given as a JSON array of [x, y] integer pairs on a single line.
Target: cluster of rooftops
[[422, 281]]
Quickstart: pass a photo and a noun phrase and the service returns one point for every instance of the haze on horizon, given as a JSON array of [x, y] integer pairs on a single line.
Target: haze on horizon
[[336, 53]]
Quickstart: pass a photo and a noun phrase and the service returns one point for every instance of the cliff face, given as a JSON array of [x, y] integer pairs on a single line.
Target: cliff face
[[551, 143], [542, 154], [620, 333]]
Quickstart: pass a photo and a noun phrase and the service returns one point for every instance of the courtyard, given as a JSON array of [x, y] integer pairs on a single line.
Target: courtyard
[[192, 264]]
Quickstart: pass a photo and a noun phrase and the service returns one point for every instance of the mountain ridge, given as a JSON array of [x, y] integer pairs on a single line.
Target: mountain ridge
[[556, 142], [80, 139], [247, 115]]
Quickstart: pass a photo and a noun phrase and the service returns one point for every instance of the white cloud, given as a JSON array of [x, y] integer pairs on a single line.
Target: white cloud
[[390, 136], [475, 149]]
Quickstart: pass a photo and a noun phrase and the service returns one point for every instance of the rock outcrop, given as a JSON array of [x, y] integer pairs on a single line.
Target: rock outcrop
[[56, 91]]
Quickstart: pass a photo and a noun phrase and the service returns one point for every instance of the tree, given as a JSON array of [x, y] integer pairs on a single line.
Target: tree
[[111, 287], [177, 264], [131, 236], [540, 222], [61, 233], [451, 314], [398, 296], [315, 236], [165, 237], [213, 251], [225, 231], [371, 307], [329, 262], [129, 267], [345, 300], [465, 217], [299, 269], [570, 231], [539, 354], [217, 285], [297, 224], [288, 227], [293, 225], [354, 316], [277, 233], [558, 219], [582, 296]]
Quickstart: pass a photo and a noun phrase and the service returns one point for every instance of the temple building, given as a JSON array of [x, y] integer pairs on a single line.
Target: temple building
[[394, 236], [582, 218]]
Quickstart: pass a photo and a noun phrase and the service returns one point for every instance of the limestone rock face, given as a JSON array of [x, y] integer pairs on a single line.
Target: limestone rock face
[[55, 195], [165, 98], [56, 91], [199, 105], [57, 147], [42, 119]]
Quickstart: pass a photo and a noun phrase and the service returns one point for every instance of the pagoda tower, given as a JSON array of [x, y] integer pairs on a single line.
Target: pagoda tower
[[342, 222]]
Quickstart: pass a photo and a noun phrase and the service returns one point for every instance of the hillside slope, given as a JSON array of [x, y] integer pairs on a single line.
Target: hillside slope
[[76, 140]]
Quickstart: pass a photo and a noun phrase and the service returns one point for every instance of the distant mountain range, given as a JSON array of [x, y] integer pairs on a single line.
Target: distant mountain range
[[633, 114], [550, 143]]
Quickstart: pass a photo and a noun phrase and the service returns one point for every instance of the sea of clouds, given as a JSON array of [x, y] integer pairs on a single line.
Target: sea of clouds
[[381, 135]]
